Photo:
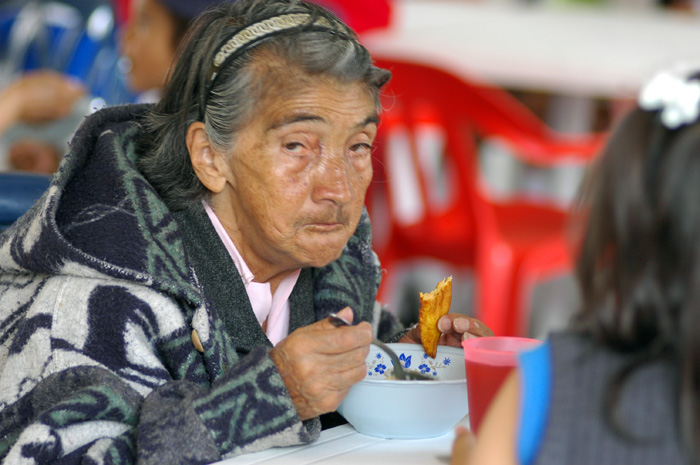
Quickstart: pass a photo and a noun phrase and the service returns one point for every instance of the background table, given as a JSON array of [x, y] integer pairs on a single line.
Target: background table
[[586, 50]]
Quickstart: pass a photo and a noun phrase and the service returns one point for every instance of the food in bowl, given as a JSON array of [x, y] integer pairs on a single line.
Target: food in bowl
[[433, 306], [405, 409]]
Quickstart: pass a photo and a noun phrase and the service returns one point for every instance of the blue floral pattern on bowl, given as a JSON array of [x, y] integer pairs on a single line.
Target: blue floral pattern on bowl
[[381, 365]]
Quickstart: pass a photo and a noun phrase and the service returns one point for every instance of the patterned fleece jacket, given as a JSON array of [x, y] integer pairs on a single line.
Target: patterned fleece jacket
[[102, 292]]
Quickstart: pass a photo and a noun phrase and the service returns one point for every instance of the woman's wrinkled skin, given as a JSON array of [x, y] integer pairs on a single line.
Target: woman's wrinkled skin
[[291, 192], [319, 363]]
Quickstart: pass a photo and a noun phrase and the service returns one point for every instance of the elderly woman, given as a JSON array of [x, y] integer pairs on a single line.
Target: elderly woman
[[165, 302]]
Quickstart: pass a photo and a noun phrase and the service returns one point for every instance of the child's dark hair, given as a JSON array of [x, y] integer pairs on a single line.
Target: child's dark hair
[[639, 265]]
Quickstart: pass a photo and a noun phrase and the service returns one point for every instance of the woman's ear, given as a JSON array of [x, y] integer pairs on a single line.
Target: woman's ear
[[208, 165]]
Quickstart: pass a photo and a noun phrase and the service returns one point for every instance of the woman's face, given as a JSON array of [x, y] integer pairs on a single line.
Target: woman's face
[[148, 44], [299, 171]]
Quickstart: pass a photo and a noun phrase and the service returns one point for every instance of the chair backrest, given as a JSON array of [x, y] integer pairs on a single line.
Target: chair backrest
[[18, 192], [489, 109], [429, 141], [421, 184]]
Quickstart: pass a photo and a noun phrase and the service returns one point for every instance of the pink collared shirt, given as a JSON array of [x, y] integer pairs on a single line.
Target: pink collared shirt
[[267, 306]]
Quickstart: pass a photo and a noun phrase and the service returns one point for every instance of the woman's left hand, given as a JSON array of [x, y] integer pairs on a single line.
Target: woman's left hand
[[455, 327]]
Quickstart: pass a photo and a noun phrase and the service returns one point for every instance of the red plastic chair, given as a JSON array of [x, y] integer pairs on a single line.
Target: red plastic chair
[[511, 245]]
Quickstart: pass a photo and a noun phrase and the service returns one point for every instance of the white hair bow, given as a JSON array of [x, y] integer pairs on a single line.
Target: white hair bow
[[677, 96]]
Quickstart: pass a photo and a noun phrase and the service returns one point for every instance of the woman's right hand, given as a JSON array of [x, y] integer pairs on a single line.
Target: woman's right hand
[[319, 363]]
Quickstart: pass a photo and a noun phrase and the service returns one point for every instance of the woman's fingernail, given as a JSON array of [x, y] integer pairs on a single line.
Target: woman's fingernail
[[461, 325], [444, 325]]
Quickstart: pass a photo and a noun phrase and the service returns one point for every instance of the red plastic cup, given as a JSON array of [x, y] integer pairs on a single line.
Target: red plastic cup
[[488, 361]]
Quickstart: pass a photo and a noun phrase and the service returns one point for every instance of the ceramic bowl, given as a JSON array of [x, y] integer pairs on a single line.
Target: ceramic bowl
[[388, 408]]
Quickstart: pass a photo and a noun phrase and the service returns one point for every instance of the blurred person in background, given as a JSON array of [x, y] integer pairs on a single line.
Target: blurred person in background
[[55, 59], [622, 385], [36, 98], [152, 34], [41, 97]]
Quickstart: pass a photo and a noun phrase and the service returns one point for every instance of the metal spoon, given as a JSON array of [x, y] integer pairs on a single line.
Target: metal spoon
[[399, 372]]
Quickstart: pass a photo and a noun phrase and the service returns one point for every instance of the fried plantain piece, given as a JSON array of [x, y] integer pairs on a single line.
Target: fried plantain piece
[[433, 306]]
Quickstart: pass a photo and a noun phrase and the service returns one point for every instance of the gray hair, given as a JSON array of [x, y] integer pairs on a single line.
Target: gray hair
[[240, 85]]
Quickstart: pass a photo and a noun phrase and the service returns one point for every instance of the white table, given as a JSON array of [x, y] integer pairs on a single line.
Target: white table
[[343, 445], [584, 50]]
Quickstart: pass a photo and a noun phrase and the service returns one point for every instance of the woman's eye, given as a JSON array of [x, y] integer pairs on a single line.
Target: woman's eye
[[361, 148], [294, 146]]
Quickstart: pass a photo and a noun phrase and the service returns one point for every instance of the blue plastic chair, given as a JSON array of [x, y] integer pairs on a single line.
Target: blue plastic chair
[[75, 37], [18, 192]]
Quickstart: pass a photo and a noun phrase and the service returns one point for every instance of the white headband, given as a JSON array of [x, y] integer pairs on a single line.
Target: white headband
[[257, 31], [248, 36]]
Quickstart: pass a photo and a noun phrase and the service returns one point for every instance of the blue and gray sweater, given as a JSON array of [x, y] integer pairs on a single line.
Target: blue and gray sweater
[[101, 289]]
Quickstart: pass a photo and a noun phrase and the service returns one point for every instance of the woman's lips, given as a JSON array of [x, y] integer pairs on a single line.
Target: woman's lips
[[325, 227]]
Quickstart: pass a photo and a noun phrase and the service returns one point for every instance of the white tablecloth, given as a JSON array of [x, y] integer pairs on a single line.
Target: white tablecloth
[[343, 445]]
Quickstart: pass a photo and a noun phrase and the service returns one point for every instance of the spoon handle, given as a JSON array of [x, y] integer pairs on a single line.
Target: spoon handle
[[398, 369]]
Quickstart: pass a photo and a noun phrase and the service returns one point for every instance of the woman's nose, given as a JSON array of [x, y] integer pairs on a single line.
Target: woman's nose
[[333, 180]]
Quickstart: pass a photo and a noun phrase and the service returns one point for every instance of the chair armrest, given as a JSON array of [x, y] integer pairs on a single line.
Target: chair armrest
[[556, 148]]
